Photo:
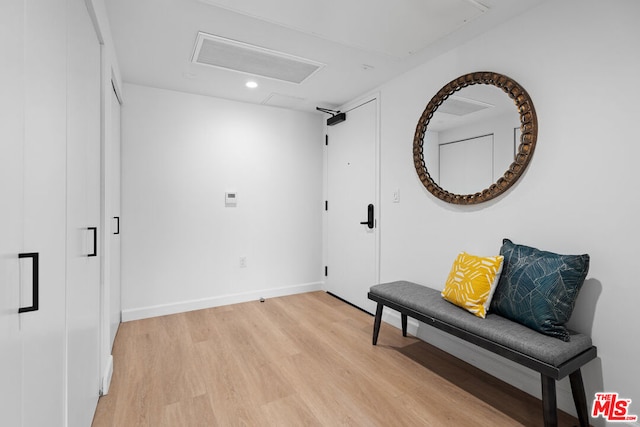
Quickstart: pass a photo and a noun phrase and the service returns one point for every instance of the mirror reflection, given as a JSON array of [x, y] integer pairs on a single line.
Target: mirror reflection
[[472, 139], [475, 138]]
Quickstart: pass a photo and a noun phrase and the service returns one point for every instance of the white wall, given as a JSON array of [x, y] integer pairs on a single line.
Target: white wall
[[181, 246], [578, 60]]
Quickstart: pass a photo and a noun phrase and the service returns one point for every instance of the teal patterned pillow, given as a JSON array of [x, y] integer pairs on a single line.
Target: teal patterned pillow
[[539, 288]]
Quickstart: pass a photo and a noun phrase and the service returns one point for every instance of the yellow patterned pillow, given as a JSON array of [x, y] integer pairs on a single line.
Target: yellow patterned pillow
[[472, 282]]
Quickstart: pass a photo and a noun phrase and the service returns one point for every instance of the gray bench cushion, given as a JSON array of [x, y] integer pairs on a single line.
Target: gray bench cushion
[[495, 328]]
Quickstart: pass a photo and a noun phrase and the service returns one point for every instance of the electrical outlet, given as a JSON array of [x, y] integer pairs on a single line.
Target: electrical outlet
[[243, 261]]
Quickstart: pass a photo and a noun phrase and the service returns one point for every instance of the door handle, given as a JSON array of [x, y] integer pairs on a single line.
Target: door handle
[[369, 221], [95, 241], [117, 218], [34, 282]]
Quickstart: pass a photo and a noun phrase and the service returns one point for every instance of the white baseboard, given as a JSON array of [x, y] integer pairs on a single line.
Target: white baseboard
[[106, 377], [510, 372], [183, 306]]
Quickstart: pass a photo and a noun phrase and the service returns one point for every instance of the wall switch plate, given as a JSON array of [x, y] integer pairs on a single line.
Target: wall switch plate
[[243, 262], [396, 195]]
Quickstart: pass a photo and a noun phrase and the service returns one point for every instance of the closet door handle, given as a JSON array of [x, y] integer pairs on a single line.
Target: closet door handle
[[95, 241], [117, 218], [34, 282]]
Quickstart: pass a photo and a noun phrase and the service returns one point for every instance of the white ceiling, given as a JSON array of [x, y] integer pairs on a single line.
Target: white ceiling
[[362, 43]]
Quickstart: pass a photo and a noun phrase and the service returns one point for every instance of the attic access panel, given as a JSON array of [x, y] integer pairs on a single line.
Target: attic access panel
[[245, 58]]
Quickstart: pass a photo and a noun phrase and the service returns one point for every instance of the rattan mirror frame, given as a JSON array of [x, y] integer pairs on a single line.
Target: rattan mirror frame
[[528, 138]]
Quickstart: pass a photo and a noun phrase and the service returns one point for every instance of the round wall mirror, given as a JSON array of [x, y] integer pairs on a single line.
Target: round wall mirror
[[475, 138]]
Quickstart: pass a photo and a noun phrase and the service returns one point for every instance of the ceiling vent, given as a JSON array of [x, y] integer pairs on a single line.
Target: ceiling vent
[[459, 106], [232, 55]]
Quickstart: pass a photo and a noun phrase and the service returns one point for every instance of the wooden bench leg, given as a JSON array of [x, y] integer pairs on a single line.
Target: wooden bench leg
[[404, 324], [549, 405], [579, 397], [376, 323]]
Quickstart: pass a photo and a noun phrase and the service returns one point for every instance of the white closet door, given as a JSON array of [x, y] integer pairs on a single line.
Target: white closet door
[[466, 166], [44, 210], [11, 155], [83, 216], [32, 176]]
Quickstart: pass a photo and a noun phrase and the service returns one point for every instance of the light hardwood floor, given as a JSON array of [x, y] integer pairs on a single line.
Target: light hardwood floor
[[300, 360]]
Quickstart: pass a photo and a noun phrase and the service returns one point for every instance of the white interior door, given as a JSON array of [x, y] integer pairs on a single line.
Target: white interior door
[[83, 216], [45, 210], [114, 235], [351, 188], [11, 191], [32, 222]]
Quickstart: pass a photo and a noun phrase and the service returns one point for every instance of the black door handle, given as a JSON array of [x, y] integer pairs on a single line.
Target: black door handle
[[117, 218], [95, 241], [34, 282], [369, 221]]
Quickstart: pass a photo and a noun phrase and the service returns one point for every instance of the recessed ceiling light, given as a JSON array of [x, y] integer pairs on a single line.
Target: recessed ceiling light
[[251, 84]]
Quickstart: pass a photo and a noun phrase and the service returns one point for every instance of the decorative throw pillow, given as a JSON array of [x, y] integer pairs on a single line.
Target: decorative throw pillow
[[539, 288], [472, 282]]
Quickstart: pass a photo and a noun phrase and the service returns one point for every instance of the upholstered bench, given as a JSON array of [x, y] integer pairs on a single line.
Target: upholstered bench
[[553, 358]]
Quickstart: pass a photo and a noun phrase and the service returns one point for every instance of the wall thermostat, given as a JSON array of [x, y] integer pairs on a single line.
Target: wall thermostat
[[230, 198]]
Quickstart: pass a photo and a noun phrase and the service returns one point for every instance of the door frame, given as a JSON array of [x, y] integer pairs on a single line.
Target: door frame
[[374, 96]]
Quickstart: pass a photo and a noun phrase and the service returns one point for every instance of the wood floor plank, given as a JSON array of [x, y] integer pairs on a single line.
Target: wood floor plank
[[299, 360], [290, 410]]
